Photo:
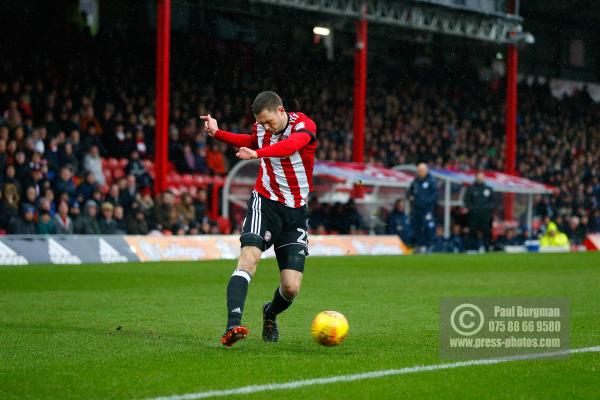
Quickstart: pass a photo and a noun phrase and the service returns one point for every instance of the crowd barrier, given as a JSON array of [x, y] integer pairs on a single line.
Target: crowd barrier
[[23, 250]]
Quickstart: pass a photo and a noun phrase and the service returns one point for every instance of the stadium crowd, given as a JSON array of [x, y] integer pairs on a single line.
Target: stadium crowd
[[61, 114]]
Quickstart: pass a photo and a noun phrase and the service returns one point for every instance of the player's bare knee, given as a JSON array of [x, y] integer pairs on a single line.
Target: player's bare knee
[[290, 289]]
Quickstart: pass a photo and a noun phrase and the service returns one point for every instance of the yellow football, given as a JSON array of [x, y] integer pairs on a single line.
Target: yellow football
[[329, 328]]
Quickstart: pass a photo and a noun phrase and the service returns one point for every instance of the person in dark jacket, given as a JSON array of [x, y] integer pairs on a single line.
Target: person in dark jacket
[[120, 221], [457, 244], [86, 188], [479, 201], [439, 244], [137, 224], [108, 225], [398, 223], [25, 225], [64, 182], [136, 168], [423, 195], [87, 224], [74, 214]]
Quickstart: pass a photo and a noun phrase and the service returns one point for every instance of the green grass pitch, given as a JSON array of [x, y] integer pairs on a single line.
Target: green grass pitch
[[135, 331]]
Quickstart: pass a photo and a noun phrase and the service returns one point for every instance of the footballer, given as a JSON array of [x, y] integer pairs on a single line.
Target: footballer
[[277, 215]]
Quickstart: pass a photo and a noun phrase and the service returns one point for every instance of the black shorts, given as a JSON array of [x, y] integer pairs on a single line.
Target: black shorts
[[270, 223]]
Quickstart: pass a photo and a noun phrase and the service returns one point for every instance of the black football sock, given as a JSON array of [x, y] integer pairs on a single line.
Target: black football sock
[[237, 289], [279, 304]]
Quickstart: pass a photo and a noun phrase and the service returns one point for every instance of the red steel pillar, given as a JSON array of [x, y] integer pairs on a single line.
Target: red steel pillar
[[360, 89], [510, 155], [163, 44]]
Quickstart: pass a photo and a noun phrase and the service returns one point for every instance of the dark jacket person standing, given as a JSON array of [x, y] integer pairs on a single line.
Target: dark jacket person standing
[[479, 201], [423, 196]]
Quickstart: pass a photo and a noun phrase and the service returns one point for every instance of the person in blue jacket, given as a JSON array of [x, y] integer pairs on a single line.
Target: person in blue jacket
[[423, 195], [398, 222]]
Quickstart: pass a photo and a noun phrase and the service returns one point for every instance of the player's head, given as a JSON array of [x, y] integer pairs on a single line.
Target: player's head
[[269, 112], [422, 170]]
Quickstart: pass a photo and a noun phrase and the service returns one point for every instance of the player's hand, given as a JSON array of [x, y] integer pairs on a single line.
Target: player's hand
[[210, 124], [246, 154]]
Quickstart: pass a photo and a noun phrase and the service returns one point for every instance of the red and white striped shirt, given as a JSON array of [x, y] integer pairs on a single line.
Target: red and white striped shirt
[[287, 179]]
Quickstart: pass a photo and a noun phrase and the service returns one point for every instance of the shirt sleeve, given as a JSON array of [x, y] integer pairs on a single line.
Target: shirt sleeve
[[238, 139], [286, 147]]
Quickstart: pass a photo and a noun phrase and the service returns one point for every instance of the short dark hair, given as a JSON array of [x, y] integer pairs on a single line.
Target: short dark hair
[[266, 101]]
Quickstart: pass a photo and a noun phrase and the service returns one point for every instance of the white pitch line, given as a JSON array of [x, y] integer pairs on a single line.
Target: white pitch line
[[370, 375]]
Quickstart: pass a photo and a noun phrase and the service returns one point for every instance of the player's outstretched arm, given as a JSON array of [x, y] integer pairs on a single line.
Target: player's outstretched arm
[[285, 148], [239, 140]]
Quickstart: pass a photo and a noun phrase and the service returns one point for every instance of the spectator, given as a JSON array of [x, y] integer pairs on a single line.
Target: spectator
[[186, 209], [62, 221], [64, 182], [189, 158], [315, 214], [26, 224], [119, 217], [398, 222], [575, 231], [165, 213], [136, 168], [10, 178], [201, 205], [87, 187], [129, 193], [74, 214], [3, 156], [439, 244], [200, 162], [45, 225], [456, 242], [140, 142], [215, 160], [52, 155], [113, 196], [68, 157], [10, 205], [205, 226], [339, 223], [423, 195], [47, 201], [146, 202], [121, 143], [510, 238], [352, 215], [31, 197], [87, 224], [553, 237], [137, 224], [594, 225], [108, 225], [93, 164], [22, 167]]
